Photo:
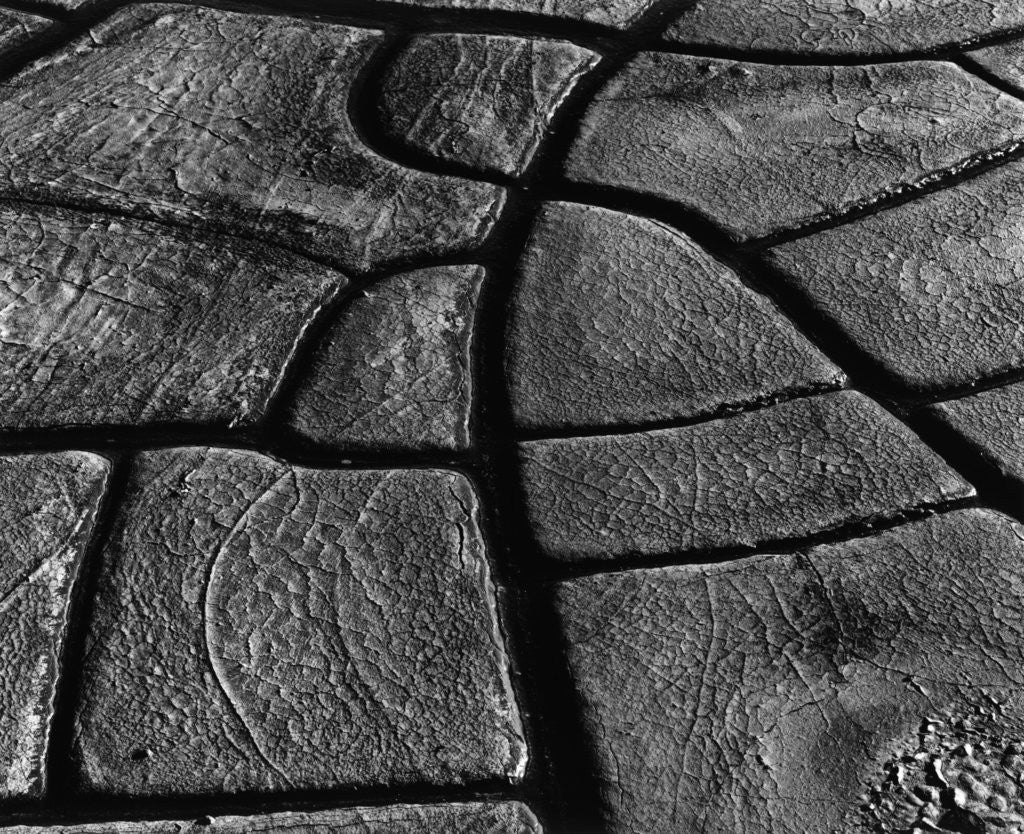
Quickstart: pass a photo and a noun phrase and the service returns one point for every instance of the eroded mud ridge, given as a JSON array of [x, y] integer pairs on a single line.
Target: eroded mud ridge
[[512, 416]]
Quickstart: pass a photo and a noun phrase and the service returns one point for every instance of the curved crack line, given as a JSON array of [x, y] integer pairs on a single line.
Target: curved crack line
[[969, 168], [363, 97], [216, 671]]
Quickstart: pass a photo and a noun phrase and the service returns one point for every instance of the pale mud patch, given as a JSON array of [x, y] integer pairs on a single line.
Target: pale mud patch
[[963, 771]]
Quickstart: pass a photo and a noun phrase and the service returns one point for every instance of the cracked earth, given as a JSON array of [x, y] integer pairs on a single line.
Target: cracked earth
[[512, 416]]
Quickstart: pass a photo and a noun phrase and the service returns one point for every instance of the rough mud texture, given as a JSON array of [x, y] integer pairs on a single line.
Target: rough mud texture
[[47, 506], [460, 818], [480, 100], [394, 371], [992, 422], [876, 28], [264, 627], [478, 415], [931, 290], [141, 115], [807, 692], [620, 319], [791, 470], [759, 148], [123, 322]]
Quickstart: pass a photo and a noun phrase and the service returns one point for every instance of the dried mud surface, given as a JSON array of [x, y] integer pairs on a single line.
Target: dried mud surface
[[506, 416]]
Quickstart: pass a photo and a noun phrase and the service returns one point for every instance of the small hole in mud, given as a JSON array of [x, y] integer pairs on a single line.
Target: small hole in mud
[[140, 754], [962, 821]]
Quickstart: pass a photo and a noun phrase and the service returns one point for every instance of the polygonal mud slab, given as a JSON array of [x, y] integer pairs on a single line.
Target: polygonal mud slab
[[263, 627], [759, 148], [843, 27], [993, 423], [394, 372], [617, 13], [931, 290], [47, 506], [123, 322], [619, 319], [467, 818], [142, 115], [795, 469], [857, 687], [480, 100]]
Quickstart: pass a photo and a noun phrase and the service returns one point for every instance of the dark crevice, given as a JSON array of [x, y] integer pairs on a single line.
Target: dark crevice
[[955, 453], [364, 99], [517, 624], [556, 571], [39, 8], [487, 21], [995, 489], [650, 206], [723, 412], [549, 715], [67, 28], [962, 821], [14, 59], [968, 64], [967, 169], [559, 778], [61, 780], [866, 373], [561, 782], [82, 807], [274, 441], [949, 51], [996, 38], [700, 226], [613, 54], [671, 211], [1003, 379]]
